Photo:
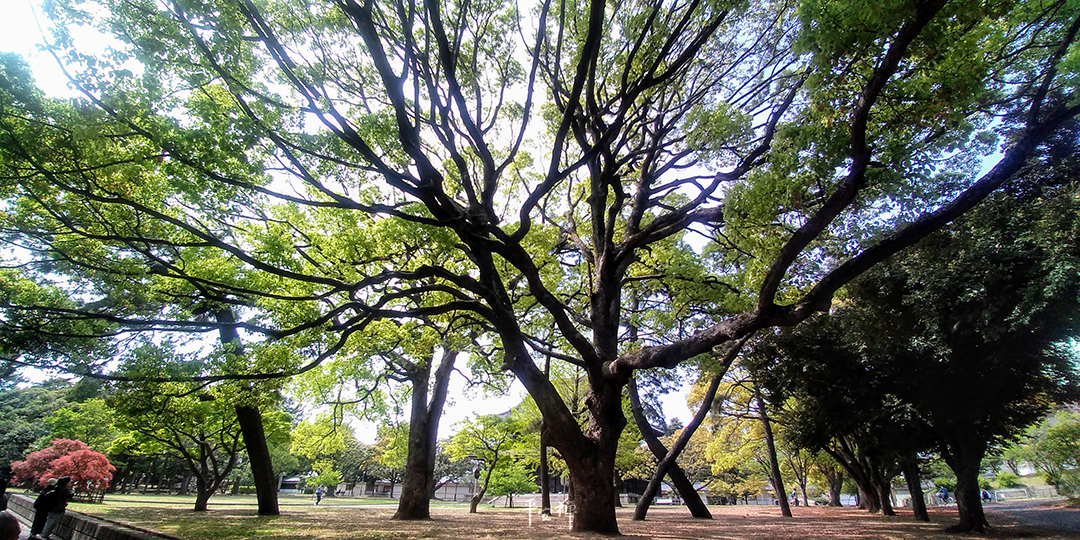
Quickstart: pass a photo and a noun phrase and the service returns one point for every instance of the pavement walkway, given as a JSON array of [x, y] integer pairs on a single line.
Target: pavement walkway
[[1038, 514]]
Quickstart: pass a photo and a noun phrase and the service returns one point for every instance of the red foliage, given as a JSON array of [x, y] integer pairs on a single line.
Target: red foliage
[[90, 471], [37, 463]]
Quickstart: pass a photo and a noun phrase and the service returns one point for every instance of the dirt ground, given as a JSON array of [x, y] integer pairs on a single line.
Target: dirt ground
[[735, 523], [730, 522]]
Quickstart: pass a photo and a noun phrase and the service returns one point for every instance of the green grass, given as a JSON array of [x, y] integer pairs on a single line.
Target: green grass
[[188, 501], [234, 517], [1034, 480]]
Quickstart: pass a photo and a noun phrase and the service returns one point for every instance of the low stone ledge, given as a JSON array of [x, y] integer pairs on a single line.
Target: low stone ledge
[[78, 526]]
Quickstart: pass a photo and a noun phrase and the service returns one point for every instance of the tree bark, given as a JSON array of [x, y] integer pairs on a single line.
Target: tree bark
[[884, 489], [914, 484], [774, 463], [836, 486], [415, 501], [678, 478], [591, 500], [249, 417], [545, 474], [964, 455], [202, 493], [262, 469], [589, 453], [592, 465]]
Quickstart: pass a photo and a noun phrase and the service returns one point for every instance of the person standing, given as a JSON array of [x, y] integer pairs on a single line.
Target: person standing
[[3, 493], [318, 495], [41, 505], [57, 506]]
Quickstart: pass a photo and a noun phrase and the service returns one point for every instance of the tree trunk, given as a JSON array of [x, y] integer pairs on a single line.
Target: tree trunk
[[964, 455], [867, 473], [774, 463], [678, 478], [185, 485], [249, 417], [592, 464], [202, 493], [482, 489], [836, 486], [545, 475], [591, 501], [415, 501], [914, 484], [869, 500], [475, 501], [884, 489], [589, 453], [667, 458], [258, 452]]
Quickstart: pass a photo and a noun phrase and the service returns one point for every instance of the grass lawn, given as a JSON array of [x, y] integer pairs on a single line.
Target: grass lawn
[[369, 519], [285, 500]]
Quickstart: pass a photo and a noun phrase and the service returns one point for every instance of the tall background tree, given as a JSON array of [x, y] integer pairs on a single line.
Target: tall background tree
[[963, 341]]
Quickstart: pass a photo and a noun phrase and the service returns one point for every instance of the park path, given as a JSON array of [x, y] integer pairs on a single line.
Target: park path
[[1037, 514]]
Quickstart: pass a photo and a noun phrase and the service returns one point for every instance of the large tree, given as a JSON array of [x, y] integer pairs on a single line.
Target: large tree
[[416, 357], [1055, 451], [547, 154], [23, 414], [985, 311], [492, 442], [960, 343], [196, 425], [840, 403]]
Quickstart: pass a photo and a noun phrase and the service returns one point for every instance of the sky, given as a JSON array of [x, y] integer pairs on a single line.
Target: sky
[[22, 34]]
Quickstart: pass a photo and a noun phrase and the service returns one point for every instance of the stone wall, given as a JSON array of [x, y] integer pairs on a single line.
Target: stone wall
[[76, 526]]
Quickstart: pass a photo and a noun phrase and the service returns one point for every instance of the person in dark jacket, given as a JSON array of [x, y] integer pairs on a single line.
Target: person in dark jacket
[[3, 493], [54, 505], [57, 506], [41, 513]]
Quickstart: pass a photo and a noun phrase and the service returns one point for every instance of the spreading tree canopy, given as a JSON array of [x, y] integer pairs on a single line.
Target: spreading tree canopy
[[320, 166], [954, 346]]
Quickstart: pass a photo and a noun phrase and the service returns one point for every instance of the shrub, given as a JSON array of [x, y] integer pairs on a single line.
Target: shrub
[[90, 471], [1007, 479], [36, 464]]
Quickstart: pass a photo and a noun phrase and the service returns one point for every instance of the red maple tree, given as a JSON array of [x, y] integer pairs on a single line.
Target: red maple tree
[[90, 471]]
